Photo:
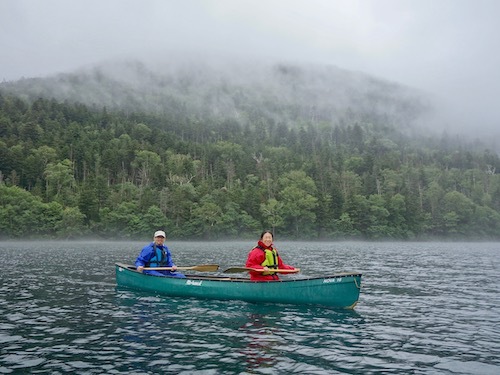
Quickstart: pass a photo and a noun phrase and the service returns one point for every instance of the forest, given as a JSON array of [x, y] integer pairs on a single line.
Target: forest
[[70, 169]]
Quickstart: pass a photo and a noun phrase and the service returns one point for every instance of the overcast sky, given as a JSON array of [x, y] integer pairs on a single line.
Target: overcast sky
[[448, 47]]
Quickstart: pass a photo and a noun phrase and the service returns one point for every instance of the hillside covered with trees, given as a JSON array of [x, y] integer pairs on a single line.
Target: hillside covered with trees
[[216, 158]]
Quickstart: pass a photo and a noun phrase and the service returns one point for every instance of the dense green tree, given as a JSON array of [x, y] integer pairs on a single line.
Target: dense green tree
[[378, 218], [207, 217], [88, 202], [25, 215], [397, 216], [146, 164], [60, 181], [297, 194], [272, 214], [72, 224], [69, 170], [123, 220]]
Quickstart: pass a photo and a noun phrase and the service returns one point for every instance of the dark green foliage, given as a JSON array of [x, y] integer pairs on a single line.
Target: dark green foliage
[[69, 170]]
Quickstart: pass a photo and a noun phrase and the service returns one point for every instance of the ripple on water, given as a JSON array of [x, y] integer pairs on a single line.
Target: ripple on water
[[424, 308]]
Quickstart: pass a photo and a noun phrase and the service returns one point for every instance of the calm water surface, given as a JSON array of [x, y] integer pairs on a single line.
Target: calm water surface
[[425, 308]]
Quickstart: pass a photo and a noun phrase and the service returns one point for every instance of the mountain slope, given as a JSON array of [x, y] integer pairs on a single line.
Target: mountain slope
[[286, 93]]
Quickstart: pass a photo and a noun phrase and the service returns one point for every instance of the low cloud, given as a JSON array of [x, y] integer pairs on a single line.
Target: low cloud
[[448, 48]]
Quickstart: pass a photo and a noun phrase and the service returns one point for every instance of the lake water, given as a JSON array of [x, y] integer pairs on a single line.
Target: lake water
[[425, 308]]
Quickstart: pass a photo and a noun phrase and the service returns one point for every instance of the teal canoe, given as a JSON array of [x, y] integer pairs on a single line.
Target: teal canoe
[[337, 291]]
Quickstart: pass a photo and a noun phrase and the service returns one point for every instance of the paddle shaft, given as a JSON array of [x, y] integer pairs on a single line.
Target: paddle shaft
[[248, 269], [159, 268], [201, 268]]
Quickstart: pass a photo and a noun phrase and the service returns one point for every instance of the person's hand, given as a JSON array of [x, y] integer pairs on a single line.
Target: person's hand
[[174, 268], [140, 268]]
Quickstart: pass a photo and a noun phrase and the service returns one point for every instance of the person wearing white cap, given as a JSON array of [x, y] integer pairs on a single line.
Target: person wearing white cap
[[157, 254]]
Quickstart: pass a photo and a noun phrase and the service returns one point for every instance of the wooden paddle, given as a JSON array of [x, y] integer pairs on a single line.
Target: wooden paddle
[[200, 268], [247, 269]]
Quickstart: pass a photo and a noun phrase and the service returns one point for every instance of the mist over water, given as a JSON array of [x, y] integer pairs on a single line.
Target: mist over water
[[425, 308]]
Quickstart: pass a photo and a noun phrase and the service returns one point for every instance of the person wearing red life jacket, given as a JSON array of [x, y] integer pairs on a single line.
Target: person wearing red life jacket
[[265, 256]]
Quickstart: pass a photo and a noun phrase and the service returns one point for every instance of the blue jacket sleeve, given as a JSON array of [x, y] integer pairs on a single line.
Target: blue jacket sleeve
[[144, 256]]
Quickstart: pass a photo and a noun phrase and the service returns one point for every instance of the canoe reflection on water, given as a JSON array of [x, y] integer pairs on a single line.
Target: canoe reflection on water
[[261, 335]]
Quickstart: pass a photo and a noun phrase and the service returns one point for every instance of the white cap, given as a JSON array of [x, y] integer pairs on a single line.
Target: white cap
[[160, 233]]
